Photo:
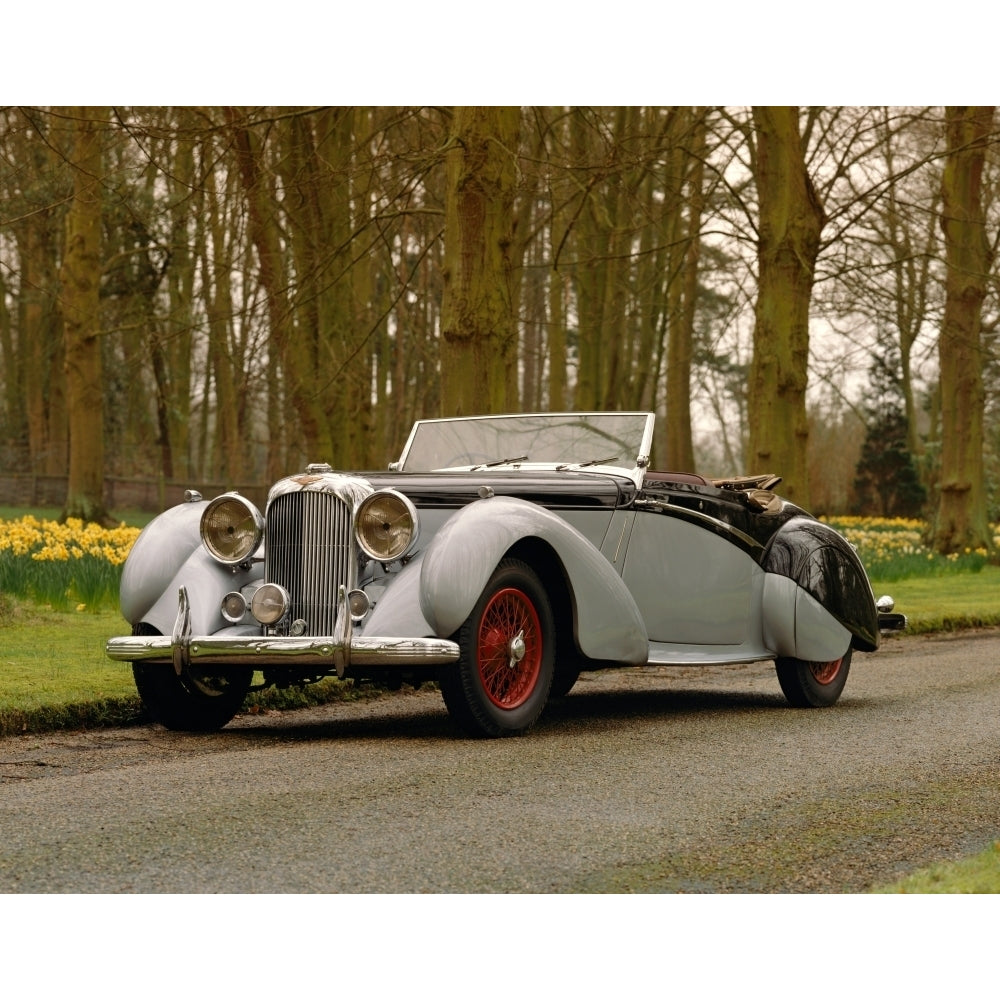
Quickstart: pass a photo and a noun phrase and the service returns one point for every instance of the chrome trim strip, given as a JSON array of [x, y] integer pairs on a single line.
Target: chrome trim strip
[[713, 523]]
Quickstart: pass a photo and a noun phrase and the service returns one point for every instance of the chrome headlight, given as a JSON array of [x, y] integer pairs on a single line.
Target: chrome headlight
[[386, 525], [270, 603], [231, 528]]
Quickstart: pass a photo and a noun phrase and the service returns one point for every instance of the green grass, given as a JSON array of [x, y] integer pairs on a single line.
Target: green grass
[[978, 874], [944, 603], [48, 656], [54, 674]]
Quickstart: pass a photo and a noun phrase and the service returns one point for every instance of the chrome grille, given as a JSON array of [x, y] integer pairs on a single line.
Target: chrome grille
[[310, 552]]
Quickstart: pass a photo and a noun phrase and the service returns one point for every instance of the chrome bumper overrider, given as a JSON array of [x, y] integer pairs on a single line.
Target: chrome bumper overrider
[[891, 622], [340, 650]]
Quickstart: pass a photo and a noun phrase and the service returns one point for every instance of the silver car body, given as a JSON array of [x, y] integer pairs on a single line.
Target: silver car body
[[641, 567]]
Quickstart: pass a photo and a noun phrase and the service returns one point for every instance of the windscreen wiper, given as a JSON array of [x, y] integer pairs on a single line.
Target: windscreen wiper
[[583, 465], [500, 461]]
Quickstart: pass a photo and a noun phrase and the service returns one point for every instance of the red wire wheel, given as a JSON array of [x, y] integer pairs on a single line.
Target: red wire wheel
[[813, 683], [826, 673], [501, 681], [509, 648]]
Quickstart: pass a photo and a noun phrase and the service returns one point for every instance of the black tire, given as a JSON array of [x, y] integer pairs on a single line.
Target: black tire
[[808, 684], [200, 702], [563, 680], [501, 682]]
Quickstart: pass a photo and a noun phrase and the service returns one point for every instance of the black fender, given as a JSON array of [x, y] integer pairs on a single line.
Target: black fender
[[825, 565]]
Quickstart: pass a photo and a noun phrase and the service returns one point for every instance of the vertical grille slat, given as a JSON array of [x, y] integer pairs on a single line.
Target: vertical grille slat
[[310, 553]]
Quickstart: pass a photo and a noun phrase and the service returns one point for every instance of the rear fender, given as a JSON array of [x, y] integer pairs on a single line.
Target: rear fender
[[797, 625], [463, 555], [816, 595]]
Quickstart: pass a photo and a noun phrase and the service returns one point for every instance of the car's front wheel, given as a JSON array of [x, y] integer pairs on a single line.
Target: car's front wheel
[[812, 684], [501, 682], [201, 701]]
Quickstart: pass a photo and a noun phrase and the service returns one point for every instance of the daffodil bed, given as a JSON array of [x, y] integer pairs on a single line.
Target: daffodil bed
[[894, 549], [64, 566]]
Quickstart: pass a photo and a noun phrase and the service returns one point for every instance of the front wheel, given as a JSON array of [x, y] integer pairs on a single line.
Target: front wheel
[[812, 684], [201, 701], [501, 682]]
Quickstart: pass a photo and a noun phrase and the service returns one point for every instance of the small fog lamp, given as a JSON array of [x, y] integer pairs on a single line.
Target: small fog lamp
[[358, 604], [234, 607]]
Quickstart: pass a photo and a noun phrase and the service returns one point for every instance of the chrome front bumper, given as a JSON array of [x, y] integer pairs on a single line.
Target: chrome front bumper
[[338, 651]]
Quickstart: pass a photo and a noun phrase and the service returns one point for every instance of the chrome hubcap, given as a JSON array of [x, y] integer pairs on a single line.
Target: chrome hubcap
[[516, 649]]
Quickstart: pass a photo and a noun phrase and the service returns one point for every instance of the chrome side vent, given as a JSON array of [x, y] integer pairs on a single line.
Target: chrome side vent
[[310, 552]]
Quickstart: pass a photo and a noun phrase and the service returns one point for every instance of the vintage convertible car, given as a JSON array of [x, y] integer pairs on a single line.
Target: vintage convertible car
[[500, 556]]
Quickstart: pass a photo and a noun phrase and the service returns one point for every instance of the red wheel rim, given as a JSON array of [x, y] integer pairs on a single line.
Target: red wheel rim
[[508, 672], [826, 673]]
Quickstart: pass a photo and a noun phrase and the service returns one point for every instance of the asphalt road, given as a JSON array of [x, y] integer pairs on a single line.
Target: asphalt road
[[660, 780]]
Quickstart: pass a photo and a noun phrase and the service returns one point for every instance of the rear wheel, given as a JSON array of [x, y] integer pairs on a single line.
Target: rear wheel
[[501, 682], [200, 701], [811, 683]]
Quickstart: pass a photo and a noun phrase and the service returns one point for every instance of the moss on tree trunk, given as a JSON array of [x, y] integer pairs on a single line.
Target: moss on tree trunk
[[81, 283], [961, 516], [479, 335], [791, 220]]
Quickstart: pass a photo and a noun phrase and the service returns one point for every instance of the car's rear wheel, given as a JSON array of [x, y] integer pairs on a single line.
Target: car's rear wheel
[[501, 682], [200, 701], [812, 684]]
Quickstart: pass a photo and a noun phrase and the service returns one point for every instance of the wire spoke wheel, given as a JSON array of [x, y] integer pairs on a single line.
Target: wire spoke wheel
[[510, 648], [813, 683], [826, 673], [502, 679]]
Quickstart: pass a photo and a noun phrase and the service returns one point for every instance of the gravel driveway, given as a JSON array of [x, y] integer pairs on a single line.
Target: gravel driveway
[[663, 780]]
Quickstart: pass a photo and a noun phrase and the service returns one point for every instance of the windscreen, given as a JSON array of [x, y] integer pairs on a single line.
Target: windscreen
[[615, 439]]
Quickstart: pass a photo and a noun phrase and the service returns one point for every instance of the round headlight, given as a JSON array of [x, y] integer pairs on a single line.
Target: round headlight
[[270, 603], [386, 525], [231, 528]]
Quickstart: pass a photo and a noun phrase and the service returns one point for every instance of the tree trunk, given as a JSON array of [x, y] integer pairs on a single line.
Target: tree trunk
[[81, 282], [479, 335], [791, 220], [680, 348], [297, 357], [961, 518]]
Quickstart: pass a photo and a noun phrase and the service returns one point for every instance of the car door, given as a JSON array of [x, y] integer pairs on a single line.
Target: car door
[[691, 574]]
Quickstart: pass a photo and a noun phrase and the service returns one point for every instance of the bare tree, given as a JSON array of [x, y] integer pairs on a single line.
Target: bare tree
[[961, 517], [81, 308]]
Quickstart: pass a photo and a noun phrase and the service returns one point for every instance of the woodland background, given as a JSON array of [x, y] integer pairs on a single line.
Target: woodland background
[[193, 293]]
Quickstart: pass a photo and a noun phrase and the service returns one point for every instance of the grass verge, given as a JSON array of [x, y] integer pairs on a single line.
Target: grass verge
[[977, 874], [946, 603], [54, 674]]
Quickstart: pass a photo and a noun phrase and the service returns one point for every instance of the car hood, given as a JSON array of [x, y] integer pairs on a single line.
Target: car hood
[[569, 490]]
